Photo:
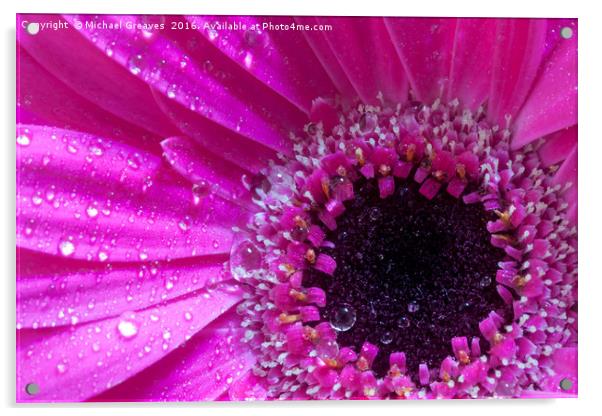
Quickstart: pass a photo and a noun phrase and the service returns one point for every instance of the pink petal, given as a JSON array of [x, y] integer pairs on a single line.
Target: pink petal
[[54, 291], [552, 104], [220, 91], [86, 197], [558, 145], [471, 64], [364, 51], [568, 174], [281, 59], [425, 47], [75, 363], [205, 367], [54, 103], [198, 166], [325, 54], [520, 46], [218, 139], [75, 61]]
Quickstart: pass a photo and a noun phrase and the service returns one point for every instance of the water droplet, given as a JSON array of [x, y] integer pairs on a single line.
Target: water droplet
[[413, 307], [36, 199], [208, 66], [403, 322], [24, 138], [245, 258], [171, 90], [61, 368], [184, 62], [184, 224], [328, 349], [343, 318], [386, 338], [102, 256], [92, 211], [135, 64], [133, 161], [127, 328], [143, 256], [199, 191], [187, 316], [66, 248], [166, 335], [110, 49]]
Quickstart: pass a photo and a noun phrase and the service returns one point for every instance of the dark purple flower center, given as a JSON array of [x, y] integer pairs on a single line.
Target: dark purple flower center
[[412, 273]]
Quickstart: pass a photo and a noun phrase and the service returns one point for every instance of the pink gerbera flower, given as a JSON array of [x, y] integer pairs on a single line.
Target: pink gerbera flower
[[230, 208]]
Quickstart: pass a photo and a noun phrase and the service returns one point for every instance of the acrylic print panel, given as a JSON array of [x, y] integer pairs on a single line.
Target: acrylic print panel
[[260, 208]]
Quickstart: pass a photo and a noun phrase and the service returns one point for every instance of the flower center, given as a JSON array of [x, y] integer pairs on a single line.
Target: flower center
[[412, 273]]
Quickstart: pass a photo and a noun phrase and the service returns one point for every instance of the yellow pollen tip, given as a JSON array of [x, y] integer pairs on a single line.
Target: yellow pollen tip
[[288, 319], [300, 222], [359, 155], [300, 296], [326, 188], [463, 356], [497, 338], [504, 216], [461, 171]]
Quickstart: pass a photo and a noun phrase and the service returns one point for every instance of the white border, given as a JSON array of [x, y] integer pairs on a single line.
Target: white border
[[590, 232]]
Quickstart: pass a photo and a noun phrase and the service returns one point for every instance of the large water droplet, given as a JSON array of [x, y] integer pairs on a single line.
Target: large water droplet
[[66, 248], [245, 258], [127, 328], [343, 318]]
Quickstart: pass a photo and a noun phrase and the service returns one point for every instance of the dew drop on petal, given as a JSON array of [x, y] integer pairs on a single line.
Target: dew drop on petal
[[110, 49], [135, 64], [127, 328], [184, 224], [171, 90], [187, 316], [343, 318], [66, 248], [245, 258], [92, 211], [199, 191], [61, 368], [24, 139]]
